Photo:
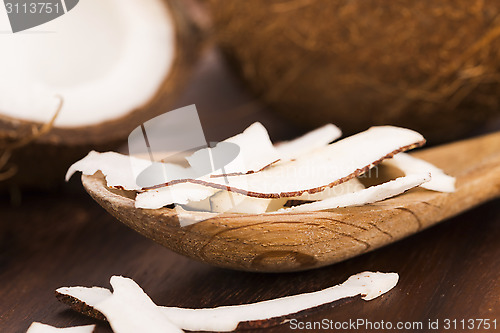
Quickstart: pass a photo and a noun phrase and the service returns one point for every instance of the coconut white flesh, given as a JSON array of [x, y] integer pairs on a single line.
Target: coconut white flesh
[[322, 168], [92, 295], [310, 141], [44, 328], [121, 170], [184, 193], [224, 319], [410, 165], [350, 186], [366, 196], [103, 70], [117, 168], [130, 310], [229, 202], [369, 285], [256, 151]]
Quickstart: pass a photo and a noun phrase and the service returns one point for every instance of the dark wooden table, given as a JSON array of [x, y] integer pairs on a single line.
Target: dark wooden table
[[63, 238]]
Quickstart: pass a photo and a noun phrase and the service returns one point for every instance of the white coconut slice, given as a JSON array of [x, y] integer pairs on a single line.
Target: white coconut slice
[[184, 193], [92, 295], [410, 165], [310, 141], [256, 151], [369, 285], [350, 186], [366, 196], [44, 328], [318, 170], [121, 170], [114, 166], [130, 310], [224, 319], [103, 70], [229, 202]]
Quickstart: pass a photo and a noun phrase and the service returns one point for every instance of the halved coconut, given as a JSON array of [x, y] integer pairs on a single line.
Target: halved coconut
[[115, 63], [128, 296]]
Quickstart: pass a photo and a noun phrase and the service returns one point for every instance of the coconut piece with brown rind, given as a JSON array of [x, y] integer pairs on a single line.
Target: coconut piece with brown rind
[[318, 170], [227, 318], [366, 196], [130, 310]]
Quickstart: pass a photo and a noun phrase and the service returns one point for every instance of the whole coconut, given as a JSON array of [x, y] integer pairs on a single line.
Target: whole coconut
[[433, 66]]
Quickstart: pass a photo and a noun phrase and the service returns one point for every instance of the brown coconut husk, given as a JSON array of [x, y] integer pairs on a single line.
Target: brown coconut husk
[[42, 160], [433, 66]]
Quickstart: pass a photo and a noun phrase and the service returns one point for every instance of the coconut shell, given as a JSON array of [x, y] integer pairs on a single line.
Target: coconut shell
[[427, 65], [44, 161]]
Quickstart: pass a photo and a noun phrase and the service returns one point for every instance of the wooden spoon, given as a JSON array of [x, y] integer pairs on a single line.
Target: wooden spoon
[[300, 241]]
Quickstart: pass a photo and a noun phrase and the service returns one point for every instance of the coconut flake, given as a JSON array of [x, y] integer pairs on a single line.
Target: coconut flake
[[320, 169], [183, 193], [369, 195], [229, 202], [350, 186], [226, 318], [122, 171], [410, 165], [130, 310], [115, 167], [92, 295], [256, 151], [44, 328], [308, 142]]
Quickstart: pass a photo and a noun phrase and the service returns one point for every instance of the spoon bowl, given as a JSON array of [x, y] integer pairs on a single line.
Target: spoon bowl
[[304, 240]]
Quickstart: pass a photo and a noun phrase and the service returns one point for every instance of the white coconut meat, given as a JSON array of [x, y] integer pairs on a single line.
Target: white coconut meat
[[369, 285], [130, 310], [255, 152], [350, 186], [183, 194], [310, 141], [117, 168], [410, 165], [105, 58], [44, 328], [229, 202], [325, 167], [258, 152], [366, 196]]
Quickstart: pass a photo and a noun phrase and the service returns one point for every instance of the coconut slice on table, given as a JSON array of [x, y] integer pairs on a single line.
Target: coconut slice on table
[[410, 165], [113, 74], [130, 310], [368, 285], [44, 328]]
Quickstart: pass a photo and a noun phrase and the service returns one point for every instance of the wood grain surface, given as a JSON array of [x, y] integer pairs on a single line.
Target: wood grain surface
[[63, 238]]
